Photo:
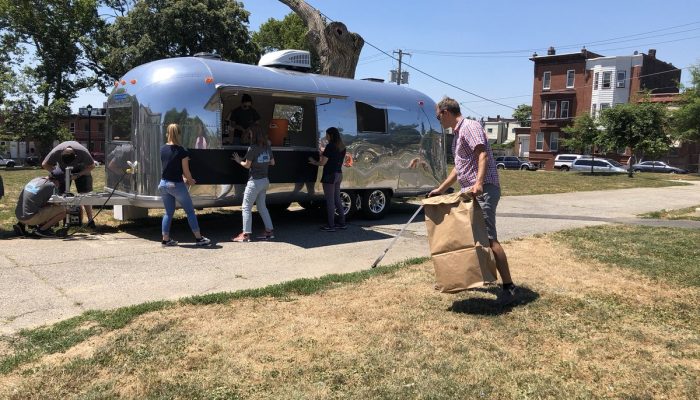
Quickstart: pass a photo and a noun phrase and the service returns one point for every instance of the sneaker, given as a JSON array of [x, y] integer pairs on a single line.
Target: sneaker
[[45, 233], [266, 235], [508, 296], [203, 241], [20, 229], [242, 237], [343, 226], [327, 228], [169, 243]]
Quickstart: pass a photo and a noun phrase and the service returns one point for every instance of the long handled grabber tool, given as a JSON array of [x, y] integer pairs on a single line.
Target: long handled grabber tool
[[397, 237]]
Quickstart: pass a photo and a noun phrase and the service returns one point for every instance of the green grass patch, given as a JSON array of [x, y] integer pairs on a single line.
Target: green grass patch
[[689, 214], [30, 344], [664, 254]]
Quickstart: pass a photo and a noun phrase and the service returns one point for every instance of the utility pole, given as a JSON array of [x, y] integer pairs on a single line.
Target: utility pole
[[399, 77]]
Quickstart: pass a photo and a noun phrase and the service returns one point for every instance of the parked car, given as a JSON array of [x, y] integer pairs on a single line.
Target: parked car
[[512, 162], [7, 162], [563, 162], [583, 164], [657, 166], [32, 161]]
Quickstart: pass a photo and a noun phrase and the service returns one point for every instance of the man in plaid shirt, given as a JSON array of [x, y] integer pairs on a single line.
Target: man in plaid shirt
[[476, 171]]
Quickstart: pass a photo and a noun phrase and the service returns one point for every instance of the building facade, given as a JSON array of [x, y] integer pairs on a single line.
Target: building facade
[[89, 130]]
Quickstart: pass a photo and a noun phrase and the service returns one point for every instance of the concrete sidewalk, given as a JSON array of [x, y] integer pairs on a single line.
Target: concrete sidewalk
[[44, 281]]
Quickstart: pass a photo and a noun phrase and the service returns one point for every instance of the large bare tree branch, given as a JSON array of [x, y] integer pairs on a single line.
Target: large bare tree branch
[[337, 48]]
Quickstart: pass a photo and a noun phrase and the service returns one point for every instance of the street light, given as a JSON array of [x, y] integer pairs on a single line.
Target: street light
[[89, 111]]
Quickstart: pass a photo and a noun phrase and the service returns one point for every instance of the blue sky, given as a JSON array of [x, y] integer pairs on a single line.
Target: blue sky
[[510, 30]]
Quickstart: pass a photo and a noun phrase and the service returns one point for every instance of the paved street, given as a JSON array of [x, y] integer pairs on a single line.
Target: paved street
[[44, 281]]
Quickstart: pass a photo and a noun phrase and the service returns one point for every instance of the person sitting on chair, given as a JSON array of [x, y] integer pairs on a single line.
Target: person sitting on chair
[[33, 207]]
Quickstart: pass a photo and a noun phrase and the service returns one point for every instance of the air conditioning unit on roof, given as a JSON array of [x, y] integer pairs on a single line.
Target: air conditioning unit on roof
[[297, 60]]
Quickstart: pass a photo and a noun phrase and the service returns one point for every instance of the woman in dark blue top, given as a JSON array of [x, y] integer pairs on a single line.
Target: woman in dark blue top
[[176, 166], [332, 158]]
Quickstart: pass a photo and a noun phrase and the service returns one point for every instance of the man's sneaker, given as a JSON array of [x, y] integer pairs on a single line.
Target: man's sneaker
[[508, 296], [45, 233], [20, 229], [327, 228], [203, 241], [242, 237], [169, 243], [341, 226], [266, 235]]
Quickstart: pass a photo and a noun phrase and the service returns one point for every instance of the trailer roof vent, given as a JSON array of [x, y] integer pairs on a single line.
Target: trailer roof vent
[[378, 80], [296, 60], [210, 56]]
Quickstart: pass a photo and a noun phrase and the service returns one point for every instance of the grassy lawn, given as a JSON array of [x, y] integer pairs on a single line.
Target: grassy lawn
[[514, 183], [593, 322], [689, 213]]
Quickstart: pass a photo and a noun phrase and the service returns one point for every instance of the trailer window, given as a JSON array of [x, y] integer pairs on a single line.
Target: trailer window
[[370, 119], [119, 124], [292, 113]]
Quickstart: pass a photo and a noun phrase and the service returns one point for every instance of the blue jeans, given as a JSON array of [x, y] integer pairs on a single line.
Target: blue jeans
[[255, 192], [170, 192]]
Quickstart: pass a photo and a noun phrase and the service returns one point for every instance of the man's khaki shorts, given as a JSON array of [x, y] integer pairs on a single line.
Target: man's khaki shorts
[[44, 215]]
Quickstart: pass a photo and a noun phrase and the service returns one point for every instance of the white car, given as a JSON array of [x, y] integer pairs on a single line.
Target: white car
[[7, 162], [599, 165], [563, 162]]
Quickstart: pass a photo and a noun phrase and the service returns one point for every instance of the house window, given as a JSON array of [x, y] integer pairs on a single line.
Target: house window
[[552, 109], [593, 110], [101, 127], [370, 119], [489, 130], [604, 106], [595, 81], [86, 127], [607, 77], [621, 78], [546, 80], [540, 141], [544, 110], [72, 127], [564, 109], [554, 141], [570, 78]]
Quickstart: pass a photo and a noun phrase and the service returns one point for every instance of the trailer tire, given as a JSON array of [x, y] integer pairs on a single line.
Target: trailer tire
[[375, 203], [352, 202]]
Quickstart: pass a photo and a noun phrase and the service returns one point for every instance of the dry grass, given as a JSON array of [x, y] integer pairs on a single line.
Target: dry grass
[[583, 330]]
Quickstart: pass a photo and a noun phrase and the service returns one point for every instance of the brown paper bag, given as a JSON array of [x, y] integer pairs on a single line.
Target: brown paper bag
[[458, 242]]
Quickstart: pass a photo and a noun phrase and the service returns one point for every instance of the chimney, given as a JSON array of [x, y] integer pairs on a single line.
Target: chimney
[[551, 51], [652, 53], [635, 52], [584, 52]]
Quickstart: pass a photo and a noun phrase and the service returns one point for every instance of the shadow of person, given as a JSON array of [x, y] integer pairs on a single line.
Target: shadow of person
[[492, 306]]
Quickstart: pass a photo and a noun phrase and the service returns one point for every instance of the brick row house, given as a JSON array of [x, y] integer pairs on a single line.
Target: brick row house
[[568, 85], [89, 130]]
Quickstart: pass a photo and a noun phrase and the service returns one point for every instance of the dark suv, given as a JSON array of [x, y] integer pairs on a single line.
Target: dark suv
[[512, 162]]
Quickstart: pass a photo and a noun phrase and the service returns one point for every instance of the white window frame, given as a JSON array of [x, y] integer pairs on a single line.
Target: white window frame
[[620, 82], [72, 127], [547, 80], [596, 76], [551, 111], [554, 141], [609, 75], [570, 74], [593, 110], [544, 110], [604, 106], [562, 108], [539, 141]]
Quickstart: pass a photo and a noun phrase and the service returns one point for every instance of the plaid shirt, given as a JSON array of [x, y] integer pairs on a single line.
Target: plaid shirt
[[469, 134]]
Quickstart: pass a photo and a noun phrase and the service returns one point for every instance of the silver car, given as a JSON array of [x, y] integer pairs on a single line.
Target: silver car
[[7, 162], [599, 165]]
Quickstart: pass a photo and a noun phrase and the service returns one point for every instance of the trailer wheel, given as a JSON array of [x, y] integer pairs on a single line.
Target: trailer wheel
[[351, 202], [375, 203]]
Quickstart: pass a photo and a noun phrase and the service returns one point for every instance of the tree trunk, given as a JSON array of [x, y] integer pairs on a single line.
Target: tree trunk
[[337, 48]]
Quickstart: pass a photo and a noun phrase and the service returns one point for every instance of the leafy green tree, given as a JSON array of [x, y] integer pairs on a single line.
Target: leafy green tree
[[523, 113], [686, 119], [640, 126], [156, 29], [289, 33], [583, 135]]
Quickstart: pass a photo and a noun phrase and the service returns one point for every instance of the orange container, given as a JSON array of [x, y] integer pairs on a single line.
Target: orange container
[[278, 131]]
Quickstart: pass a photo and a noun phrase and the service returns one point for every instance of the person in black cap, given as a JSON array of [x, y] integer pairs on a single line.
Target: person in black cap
[[33, 207], [73, 154], [242, 117]]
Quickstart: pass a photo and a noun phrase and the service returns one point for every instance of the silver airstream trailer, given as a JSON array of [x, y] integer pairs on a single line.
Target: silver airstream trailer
[[395, 144]]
